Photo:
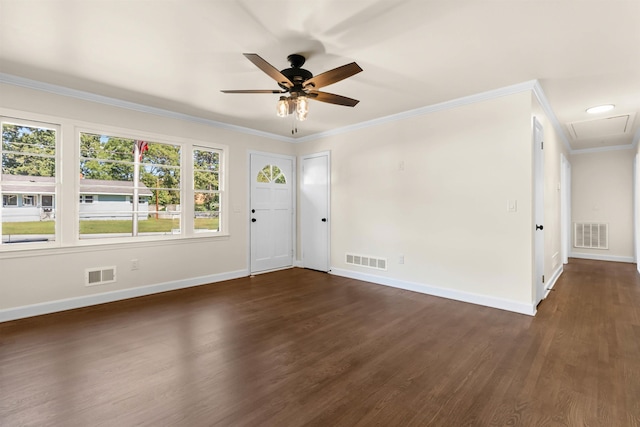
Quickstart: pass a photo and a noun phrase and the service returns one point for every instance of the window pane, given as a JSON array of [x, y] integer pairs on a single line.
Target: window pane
[[113, 205], [27, 183], [206, 160], [207, 211], [205, 181], [206, 185]]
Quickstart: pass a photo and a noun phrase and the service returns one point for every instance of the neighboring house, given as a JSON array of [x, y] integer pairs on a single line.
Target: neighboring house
[[32, 198]]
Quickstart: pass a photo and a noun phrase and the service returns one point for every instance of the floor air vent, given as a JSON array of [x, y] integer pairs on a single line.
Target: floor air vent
[[99, 276], [366, 261], [592, 236]]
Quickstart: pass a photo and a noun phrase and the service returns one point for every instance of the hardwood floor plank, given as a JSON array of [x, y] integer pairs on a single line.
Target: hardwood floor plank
[[298, 347]]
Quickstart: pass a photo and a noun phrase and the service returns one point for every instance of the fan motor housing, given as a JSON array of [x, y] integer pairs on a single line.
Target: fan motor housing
[[296, 74]]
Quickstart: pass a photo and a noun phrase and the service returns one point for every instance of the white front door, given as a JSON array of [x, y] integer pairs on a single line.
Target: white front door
[[271, 213], [538, 156], [314, 217]]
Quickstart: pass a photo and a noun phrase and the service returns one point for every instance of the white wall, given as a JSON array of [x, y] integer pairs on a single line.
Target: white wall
[[435, 188], [602, 192], [38, 276]]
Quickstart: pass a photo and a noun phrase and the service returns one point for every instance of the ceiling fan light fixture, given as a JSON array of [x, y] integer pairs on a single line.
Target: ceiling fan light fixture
[[302, 108], [282, 108], [600, 108]]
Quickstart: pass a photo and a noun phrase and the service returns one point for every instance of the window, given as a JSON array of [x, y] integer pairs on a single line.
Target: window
[[28, 200], [137, 184], [28, 172], [9, 200], [271, 174], [206, 189]]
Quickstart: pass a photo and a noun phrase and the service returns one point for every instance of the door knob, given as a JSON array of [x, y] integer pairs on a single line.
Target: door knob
[[539, 227], [324, 219], [253, 220]]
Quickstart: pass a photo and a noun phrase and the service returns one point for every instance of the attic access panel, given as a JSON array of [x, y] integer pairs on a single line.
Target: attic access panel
[[599, 128]]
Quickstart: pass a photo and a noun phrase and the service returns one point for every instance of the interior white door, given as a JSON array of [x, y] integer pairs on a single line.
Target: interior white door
[[271, 212], [314, 206], [636, 209], [538, 154], [565, 208]]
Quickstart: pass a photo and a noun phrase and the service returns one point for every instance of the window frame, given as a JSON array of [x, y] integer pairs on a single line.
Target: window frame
[[43, 122], [222, 219], [66, 198], [187, 213]]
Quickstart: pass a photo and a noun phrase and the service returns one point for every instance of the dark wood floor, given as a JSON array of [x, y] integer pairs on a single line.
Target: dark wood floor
[[299, 347]]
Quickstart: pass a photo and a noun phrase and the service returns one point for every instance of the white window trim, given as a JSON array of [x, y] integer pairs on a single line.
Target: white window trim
[[49, 122], [187, 146]]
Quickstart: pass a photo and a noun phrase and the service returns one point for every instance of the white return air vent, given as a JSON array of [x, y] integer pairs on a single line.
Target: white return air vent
[[366, 261], [590, 235], [99, 276]]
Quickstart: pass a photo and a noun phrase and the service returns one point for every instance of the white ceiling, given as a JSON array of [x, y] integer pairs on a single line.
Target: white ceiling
[[177, 55]]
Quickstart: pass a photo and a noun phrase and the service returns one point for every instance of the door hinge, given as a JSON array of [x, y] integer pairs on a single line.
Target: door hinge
[[543, 278], [542, 145]]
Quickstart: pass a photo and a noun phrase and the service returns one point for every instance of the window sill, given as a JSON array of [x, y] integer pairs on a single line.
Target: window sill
[[84, 246]]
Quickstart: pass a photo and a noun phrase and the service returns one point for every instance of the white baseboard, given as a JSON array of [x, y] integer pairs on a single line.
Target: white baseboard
[[598, 257], [554, 278], [487, 301], [298, 263], [89, 300]]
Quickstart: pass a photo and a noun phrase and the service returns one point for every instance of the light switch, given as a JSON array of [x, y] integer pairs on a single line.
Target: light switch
[[512, 206]]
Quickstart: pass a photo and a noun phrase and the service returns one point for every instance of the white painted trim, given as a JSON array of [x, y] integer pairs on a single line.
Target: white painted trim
[[636, 209], [454, 103], [598, 257], [532, 85], [298, 263], [89, 300], [114, 102], [601, 149], [565, 208], [544, 102], [484, 300], [554, 278]]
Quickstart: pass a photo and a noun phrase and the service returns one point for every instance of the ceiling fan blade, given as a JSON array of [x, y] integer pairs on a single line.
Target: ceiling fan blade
[[254, 91], [269, 69], [333, 98], [332, 76]]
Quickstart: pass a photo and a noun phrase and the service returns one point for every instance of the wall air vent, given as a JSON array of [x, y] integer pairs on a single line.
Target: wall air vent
[[590, 235], [99, 276], [366, 261]]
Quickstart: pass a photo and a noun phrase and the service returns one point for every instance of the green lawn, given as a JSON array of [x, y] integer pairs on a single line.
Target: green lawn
[[150, 225]]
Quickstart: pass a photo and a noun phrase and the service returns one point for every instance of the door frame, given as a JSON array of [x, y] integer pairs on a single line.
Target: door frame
[[565, 208], [540, 291], [302, 159], [294, 210], [636, 208]]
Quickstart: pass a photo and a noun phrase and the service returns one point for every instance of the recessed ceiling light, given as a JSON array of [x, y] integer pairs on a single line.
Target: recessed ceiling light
[[600, 109]]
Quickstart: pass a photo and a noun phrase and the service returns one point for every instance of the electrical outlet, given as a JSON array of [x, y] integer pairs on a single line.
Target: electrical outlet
[[401, 259], [135, 264]]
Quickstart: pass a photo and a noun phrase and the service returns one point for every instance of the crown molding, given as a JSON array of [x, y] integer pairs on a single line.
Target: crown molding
[[544, 102], [602, 149], [532, 85], [454, 103], [114, 102]]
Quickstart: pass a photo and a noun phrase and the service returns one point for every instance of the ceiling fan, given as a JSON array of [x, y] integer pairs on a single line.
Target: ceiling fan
[[301, 85]]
